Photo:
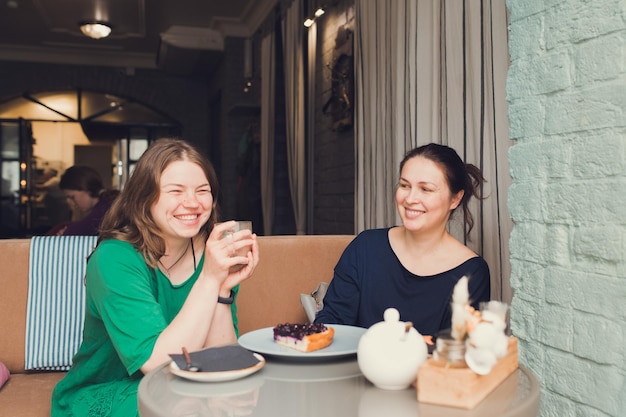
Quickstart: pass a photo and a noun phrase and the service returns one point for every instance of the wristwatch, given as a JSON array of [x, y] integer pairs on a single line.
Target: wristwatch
[[229, 300]]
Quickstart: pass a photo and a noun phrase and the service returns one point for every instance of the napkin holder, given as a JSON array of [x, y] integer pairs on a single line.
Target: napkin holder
[[461, 387]]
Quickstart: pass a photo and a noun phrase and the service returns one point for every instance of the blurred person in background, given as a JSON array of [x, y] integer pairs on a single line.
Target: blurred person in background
[[89, 200]]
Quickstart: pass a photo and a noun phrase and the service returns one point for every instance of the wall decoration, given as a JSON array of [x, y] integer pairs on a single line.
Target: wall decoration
[[340, 106]]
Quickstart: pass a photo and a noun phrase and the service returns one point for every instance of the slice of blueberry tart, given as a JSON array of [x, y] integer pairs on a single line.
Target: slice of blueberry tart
[[304, 337]]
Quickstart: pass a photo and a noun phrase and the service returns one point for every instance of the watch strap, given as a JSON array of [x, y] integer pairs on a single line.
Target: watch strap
[[229, 300]]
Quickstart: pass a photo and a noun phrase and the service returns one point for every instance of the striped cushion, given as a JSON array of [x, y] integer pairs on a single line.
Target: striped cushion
[[56, 300]]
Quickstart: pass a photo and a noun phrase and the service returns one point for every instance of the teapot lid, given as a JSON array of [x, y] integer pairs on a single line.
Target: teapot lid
[[392, 326], [391, 315]]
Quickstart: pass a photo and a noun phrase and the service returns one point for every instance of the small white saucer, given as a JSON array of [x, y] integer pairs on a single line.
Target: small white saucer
[[218, 376]]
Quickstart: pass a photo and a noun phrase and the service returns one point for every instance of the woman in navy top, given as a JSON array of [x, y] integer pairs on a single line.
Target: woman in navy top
[[413, 267]]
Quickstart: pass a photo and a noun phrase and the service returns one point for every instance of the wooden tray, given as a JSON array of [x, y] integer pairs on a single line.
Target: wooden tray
[[461, 387]]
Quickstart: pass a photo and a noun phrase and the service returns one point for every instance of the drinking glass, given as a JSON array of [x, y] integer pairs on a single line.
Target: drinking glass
[[501, 309], [239, 225]]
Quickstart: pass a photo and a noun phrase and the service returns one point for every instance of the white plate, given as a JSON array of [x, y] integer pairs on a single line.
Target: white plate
[[345, 342], [218, 376]]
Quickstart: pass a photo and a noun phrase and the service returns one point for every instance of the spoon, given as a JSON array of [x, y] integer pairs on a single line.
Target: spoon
[[190, 367]]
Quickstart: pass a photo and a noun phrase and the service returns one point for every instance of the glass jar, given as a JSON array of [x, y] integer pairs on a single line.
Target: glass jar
[[449, 352]]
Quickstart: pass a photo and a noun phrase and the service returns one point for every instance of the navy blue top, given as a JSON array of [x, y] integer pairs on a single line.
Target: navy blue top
[[369, 278], [89, 225]]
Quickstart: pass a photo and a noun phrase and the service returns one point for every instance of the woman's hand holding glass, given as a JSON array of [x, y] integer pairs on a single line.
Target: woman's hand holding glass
[[226, 257]]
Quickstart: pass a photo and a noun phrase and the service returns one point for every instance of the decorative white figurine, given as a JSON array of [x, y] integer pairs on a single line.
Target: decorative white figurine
[[483, 331]]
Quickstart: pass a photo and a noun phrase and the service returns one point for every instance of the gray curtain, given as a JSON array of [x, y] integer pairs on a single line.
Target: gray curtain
[[293, 33], [268, 80], [310, 117], [434, 71], [386, 104]]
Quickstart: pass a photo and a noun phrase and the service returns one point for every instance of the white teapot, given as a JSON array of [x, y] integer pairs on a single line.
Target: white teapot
[[390, 352]]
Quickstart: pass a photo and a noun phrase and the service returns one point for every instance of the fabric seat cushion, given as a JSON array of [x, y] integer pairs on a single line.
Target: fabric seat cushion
[[28, 394]]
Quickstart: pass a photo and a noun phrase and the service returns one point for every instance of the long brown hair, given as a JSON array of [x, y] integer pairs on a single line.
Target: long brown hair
[[130, 219]]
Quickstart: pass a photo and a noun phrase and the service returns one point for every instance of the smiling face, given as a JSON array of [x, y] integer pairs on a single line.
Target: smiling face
[[185, 201], [423, 197]]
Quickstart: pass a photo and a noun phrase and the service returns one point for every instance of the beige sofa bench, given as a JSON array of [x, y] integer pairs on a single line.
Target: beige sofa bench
[[289, 265]]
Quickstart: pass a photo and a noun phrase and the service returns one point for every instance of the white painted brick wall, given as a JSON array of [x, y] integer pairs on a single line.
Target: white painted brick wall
[[566, 89]]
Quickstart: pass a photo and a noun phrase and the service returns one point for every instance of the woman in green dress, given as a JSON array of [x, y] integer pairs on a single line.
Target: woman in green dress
[[159, 279]]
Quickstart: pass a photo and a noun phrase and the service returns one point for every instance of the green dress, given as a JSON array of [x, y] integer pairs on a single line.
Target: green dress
[[128, 305]]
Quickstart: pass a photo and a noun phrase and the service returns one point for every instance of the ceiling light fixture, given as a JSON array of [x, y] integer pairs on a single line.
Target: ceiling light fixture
[[310, 20], [95, 29]]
